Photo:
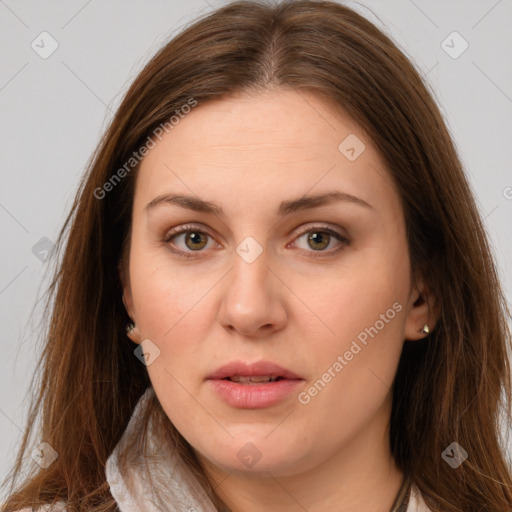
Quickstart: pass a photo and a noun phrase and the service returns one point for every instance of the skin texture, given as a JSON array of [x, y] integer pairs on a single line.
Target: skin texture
[[247, 154]]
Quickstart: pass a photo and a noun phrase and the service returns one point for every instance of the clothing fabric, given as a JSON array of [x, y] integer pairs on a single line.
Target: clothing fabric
[[158, 480]]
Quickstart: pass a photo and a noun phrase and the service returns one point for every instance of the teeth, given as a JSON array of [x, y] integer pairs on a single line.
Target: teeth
[[253, 380]]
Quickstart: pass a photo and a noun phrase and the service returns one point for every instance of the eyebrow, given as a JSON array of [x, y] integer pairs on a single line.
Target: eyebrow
[[305, 202]]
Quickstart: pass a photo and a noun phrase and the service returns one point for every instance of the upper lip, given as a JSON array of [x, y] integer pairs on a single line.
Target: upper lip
[[261, 368]]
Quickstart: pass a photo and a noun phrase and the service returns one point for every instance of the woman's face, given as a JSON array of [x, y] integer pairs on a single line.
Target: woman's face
[[266, 229]]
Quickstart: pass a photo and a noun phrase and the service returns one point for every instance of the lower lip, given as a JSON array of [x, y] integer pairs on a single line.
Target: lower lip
[[254, 396]]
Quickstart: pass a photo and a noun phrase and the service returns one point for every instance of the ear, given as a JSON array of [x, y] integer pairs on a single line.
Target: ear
[[124, 276], [422, 309]]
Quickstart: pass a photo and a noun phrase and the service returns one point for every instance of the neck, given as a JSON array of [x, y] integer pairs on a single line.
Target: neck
[[360, 476]]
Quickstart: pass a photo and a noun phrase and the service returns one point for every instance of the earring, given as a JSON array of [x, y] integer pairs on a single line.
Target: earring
[[424, 330], [130, 327]]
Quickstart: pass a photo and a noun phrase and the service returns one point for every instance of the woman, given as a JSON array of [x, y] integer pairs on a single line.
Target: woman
[[277, 292]]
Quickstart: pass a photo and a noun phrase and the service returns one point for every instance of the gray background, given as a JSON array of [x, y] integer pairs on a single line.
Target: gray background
[[54, 109]]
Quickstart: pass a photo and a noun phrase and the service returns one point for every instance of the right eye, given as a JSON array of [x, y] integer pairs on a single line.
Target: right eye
[[194, 240]]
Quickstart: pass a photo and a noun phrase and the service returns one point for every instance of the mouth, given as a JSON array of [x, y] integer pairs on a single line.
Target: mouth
[[254, 379], [253, 385]]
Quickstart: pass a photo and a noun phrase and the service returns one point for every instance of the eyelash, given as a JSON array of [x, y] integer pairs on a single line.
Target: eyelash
[[315, 254]]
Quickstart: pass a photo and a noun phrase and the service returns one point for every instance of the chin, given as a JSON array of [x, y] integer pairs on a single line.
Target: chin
[[256, 455]]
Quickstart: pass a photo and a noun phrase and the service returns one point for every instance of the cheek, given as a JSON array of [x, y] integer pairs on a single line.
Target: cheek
[[173, 310], [170, 313], [355, 359], [161, 294], [346, 302]]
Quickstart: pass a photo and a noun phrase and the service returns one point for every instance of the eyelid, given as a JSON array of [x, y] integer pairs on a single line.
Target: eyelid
[[326, 227], [184, 228]]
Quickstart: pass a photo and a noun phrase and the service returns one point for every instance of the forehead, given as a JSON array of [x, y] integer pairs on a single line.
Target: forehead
[[261, 122], [279, 142]]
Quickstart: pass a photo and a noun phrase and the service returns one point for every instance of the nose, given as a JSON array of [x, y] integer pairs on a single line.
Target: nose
[[254, 298]]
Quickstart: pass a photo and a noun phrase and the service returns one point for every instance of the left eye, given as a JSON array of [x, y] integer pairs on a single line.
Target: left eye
[[319, 239]]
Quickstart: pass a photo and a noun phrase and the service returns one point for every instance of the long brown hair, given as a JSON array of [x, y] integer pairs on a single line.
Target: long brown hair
[[452, 387]]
